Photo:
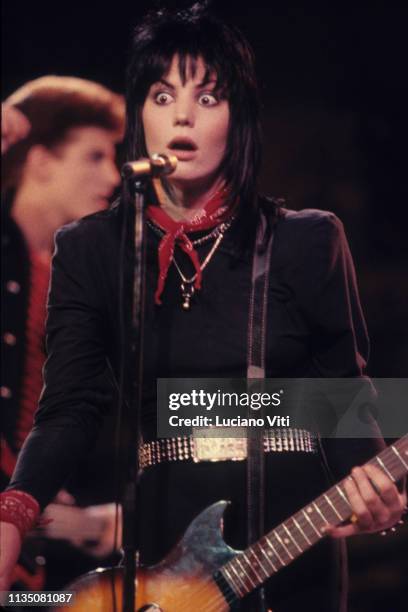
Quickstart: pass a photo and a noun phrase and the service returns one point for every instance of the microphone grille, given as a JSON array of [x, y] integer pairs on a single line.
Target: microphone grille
[[166, 163]]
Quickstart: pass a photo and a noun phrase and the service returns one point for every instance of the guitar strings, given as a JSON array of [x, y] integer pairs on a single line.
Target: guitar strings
[[393, 462], [215, 600], [219, 598]]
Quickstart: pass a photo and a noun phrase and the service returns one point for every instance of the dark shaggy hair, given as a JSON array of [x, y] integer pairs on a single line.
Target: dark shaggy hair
[[193, 34]]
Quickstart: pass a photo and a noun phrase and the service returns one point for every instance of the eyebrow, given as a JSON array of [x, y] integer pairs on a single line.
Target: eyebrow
[[198, 86]]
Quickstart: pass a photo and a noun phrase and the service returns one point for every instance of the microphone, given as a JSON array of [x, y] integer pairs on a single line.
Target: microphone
[[155, 166]]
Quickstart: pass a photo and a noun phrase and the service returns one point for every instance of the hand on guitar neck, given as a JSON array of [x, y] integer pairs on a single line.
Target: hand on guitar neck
[[375, 501]]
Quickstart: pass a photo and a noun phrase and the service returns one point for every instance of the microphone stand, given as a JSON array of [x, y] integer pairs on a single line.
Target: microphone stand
[[132, 298], [131, 308]]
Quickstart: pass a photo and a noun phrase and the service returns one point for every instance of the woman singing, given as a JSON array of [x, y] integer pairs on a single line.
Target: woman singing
[[192, 93]]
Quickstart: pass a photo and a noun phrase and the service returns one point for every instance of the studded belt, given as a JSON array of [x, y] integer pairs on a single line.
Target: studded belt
[[198, 449]]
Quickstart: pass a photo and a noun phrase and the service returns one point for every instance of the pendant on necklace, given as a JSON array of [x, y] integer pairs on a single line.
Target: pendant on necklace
[[187, 292]]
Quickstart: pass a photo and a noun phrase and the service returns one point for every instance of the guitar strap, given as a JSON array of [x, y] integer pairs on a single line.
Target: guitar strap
[[255, 378]]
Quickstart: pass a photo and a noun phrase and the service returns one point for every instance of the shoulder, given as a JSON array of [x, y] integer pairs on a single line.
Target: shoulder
[[310, 227], [309, 218], [97, 231], [309, 239], [89, 245], [297, 220]]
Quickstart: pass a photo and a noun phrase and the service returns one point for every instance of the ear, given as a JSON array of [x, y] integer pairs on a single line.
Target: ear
[[40, 163]]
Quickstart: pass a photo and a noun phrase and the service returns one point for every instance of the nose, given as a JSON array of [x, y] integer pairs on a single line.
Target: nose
[[112, 175], [184, 112]]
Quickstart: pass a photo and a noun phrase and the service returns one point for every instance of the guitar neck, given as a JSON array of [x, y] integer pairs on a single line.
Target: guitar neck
[[282, 545]]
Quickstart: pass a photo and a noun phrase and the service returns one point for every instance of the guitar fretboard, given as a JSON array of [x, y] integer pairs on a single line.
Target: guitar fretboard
[[248, 570]]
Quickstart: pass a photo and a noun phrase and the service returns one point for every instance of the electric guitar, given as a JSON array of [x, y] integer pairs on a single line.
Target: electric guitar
[[203, 574]]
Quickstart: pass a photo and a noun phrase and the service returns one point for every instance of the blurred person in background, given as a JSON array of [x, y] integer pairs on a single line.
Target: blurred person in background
[[58, 164]]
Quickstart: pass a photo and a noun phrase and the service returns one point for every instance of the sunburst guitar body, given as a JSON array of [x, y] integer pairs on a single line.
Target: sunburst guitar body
[[182, 582]]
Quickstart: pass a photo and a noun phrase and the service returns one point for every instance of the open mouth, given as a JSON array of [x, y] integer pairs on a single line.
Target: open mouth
[[182, 144]]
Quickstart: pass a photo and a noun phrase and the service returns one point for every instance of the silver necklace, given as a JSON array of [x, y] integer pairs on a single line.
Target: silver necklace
[[213, 234], [187, 284]]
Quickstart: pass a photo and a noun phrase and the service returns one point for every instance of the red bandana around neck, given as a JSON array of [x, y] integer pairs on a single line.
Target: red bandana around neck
[[211, 215]]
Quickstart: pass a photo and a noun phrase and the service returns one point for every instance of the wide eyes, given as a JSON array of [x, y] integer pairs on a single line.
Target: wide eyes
[[163, 98], [207, 99]]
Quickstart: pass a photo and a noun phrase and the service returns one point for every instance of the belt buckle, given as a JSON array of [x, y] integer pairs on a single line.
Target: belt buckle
[[206, 448]]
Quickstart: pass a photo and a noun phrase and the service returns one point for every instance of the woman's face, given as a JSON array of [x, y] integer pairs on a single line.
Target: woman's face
[[189, 121]]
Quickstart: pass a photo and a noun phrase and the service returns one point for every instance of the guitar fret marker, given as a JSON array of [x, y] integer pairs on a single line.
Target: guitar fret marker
[[292, 538], [333, 507], [259, 565], [385, 469], [245, 574], [256, 573], [268, 559], [283, 545], [400, 458], [301, 531], [239, 577], [240, 574], [276, 553], [309, 521]]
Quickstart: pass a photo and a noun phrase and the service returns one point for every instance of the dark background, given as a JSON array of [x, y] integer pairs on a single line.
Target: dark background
[[334, 85]]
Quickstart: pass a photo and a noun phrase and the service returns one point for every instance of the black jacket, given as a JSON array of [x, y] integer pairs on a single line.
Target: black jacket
[[315, 329]]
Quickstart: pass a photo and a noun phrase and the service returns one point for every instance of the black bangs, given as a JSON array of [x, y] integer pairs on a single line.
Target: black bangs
[[160, 64], [155, 55], [228, 58], [187, 65]]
